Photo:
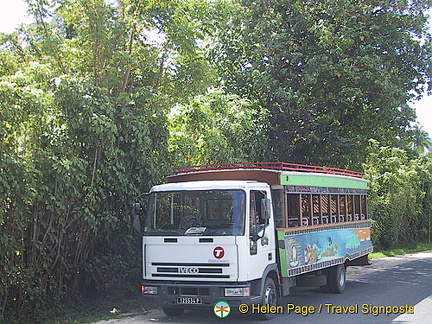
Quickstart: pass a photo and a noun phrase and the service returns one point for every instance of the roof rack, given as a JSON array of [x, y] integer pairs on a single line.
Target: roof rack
[[277, 166]]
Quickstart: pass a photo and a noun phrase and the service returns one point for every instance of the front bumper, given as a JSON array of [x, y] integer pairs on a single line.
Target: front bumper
[[175, 294]]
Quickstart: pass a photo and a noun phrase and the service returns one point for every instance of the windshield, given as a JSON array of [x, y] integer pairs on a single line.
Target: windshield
[[207, 212]]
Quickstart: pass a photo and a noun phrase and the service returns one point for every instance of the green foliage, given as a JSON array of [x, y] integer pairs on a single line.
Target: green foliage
[[83, 129], [217, 128], [421, 141], [72, 160], [332, 74], [400, 195]]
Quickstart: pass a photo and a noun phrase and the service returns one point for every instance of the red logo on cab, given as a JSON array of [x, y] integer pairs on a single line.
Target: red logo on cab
[[218, 252]]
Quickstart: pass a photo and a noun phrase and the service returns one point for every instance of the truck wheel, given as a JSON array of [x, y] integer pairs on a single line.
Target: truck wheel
[[173, 311], [269, 297], [336, 279]]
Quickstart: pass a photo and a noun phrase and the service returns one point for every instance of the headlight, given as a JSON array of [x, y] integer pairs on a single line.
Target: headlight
[[149, 290], [237, 292]]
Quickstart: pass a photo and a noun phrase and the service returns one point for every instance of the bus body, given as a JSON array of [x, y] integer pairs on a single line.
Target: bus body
[[246, 233]]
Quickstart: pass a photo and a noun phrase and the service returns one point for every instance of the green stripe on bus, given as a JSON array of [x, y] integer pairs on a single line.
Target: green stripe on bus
[[282, 253], [322, 181]]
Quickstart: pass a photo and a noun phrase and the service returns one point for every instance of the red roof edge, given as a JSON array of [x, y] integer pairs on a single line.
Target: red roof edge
[[276, 166]]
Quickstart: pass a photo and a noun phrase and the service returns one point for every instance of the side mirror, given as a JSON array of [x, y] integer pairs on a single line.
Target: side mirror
[[136, 208], [255, 237]]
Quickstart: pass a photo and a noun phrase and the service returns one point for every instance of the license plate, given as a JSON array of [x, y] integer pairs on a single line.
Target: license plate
[[189, 300]]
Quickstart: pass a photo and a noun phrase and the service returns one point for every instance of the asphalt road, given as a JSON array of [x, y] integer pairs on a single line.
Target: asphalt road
[[404, 283]]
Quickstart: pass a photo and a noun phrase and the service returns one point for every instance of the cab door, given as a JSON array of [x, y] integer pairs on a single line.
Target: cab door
[[261, 233]]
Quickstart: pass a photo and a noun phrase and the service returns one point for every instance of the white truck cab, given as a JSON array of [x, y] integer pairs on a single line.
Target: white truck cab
[[206, 241]]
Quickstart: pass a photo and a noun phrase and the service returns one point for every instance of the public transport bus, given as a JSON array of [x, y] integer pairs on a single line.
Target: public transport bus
[[246, 233]]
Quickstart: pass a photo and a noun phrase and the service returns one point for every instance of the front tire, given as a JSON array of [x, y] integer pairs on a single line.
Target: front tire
[[173, 311], [270, 297], [336, 279]]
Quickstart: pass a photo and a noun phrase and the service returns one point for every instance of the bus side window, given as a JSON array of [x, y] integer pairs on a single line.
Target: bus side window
[[363, 207], [306, 212], [278, 208], [334, 209], [350, 208], [325, 210], [317, 211], [293, 209]]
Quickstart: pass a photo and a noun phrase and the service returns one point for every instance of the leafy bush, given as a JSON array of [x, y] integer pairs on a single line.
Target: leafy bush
[[399, 199]]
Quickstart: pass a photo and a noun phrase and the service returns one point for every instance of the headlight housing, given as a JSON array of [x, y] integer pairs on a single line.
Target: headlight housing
[[237, 292], [149, 290]]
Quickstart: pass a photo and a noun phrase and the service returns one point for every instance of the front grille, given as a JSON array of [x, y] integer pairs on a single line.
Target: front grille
[[190, 270], [179, 270]]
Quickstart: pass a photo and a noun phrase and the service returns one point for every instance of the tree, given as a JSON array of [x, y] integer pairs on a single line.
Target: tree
[[217, 128], [84, 103], [421, 140], [332, 74], [399, 198], [22, 106]]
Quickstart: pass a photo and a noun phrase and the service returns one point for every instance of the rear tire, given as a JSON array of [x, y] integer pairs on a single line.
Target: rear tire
[[173, 311], [336, 279], [270, 297]]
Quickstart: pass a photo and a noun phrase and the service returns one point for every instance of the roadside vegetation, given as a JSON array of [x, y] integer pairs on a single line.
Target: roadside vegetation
[[100, 100], [408, 249]]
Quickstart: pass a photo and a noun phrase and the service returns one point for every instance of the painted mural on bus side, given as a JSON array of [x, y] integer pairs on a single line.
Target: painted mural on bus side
[[312, 248]]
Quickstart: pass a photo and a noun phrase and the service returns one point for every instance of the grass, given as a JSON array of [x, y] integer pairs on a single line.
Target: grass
[[412, 248]]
